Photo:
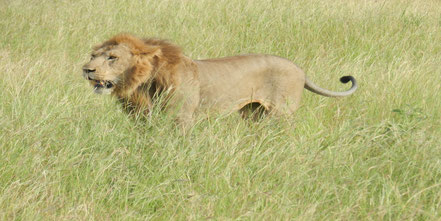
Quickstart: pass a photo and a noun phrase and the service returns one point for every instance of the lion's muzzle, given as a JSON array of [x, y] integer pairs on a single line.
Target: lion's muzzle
[[99, 86]]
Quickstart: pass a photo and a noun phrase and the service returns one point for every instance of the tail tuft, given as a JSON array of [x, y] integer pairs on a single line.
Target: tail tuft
[[346, 79]]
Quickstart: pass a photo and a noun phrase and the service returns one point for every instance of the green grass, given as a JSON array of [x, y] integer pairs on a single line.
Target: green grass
[[68, 154]]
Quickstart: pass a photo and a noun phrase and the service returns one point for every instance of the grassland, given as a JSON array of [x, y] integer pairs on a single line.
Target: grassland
[[68, 154]]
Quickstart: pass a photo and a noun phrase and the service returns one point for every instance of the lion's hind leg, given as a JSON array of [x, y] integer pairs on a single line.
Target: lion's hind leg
[[285, 108]]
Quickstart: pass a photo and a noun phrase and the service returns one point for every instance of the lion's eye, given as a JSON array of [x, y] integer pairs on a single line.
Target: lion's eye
[[92, 57], [111, 57]]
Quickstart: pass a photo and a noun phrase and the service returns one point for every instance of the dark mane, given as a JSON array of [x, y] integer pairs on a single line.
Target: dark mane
[[157, 60]]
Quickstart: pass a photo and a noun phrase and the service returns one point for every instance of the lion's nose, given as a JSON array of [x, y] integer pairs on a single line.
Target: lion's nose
[[87, 70]]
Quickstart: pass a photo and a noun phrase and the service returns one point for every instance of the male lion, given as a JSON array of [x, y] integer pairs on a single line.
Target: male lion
[[136, 70]]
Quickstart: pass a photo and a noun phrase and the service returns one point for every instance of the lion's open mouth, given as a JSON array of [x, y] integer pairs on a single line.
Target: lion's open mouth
[[98, 84]]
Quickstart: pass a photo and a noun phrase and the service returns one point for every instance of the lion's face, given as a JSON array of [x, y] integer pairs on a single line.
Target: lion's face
[[107, 67]]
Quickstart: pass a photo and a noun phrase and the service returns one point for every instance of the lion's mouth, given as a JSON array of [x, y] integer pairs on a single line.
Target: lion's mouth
[[101, 84]]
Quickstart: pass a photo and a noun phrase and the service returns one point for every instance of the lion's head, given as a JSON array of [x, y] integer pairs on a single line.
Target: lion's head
[[121, 64]]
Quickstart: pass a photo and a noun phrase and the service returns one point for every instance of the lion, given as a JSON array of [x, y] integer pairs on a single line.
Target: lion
[[137, 70]]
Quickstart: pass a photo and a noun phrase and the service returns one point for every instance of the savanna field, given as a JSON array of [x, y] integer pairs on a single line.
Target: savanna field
[[69, 154]]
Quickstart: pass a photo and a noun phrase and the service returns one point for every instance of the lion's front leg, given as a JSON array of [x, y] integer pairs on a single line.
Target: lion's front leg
[[183, 103]]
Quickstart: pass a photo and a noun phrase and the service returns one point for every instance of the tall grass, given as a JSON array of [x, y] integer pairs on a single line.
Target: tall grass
[[68, 154]]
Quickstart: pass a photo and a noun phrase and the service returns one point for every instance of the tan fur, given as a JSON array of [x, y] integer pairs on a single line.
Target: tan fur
[[221, 85]]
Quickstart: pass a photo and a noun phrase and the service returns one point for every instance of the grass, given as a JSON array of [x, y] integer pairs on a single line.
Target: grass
[[68, 154]]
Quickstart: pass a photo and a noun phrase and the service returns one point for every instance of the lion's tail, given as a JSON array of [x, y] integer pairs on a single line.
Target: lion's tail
[[318, 90]]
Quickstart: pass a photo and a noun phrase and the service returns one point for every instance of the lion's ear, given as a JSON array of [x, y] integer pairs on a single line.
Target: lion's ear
[[154, 52], [147, 50]]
